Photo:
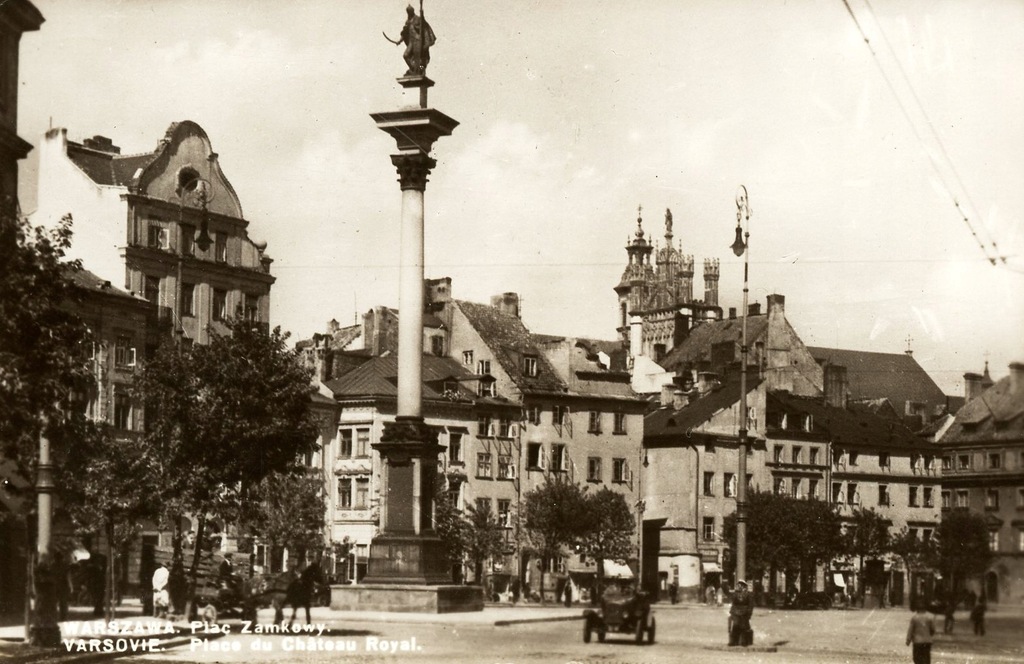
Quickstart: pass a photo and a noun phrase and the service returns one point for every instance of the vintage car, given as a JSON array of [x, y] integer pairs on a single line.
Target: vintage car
[[623, 611]]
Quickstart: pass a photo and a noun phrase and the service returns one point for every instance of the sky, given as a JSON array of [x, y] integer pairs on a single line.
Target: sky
[[574, 113]]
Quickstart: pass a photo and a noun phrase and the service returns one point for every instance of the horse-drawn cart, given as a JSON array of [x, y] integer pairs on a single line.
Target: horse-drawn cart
[[215, 596]]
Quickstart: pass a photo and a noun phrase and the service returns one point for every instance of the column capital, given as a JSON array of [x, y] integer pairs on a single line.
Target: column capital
[[413, 170]]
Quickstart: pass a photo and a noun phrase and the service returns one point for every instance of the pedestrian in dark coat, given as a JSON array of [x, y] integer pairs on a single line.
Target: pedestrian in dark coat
[[740, 633], [978, 616], [920, 633]]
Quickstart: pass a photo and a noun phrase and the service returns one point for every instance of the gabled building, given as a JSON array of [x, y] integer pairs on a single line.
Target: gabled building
[[983, 471], [165, 224]]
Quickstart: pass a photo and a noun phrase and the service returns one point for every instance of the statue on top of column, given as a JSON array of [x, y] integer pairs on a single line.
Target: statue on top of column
[[418, 37]]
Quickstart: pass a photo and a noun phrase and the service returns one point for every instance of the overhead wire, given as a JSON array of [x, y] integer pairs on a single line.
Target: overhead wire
[[995, 258]]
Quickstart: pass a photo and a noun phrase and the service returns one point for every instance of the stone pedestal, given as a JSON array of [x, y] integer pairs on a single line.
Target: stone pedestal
[[407, 598]]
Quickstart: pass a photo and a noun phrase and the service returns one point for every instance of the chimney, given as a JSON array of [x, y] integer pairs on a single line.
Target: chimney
[[438, 291], [667, 393], [776, 304], [972, 385], [507, 303], [681, 330], [836, 385], [754, 309], [102, 144], [679, 399], [1016, 377], [732, 313], [706, 381], [333, 326]]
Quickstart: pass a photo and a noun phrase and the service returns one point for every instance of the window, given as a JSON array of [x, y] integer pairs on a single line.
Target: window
[[454, 447], [619, 425], [220, 304], [362, 443], [505, 513], [188, 300], [796, 488], [929, 500], [837, 492], [709, 484], [157, 236], [813, 452], [993, 540], [915, 462], [619, 471], [929, 463], [503, 428], [883, 494], [530, 366], [505, 469], [947, 500], [122, 411], [797, 451], [995, 460], [533, 414], [535, 455], [853, 458], [780, 486], [912, 532], [345, 492], [345, 449], [559, 457], [483, 464], [992, 499], [251, 307], [467, 358], [221, 247], [837, 457], [947, 463], [709, 528], [483, 426], [124, 352], [485, 388], [812, 489], [594, 469], [963, 462], [1020, 539], [1020, 499], [188, 240], [483, 505], [926, 534], [362, 493], [852, 497], [594, 425], [912, 498], [729, 485], [778, 453], [883, 460], [962, 498], [152, 289], [808, 423], [483, 367], [559, 414]]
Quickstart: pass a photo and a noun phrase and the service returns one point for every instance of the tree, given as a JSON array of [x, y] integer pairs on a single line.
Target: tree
[[915, 554], [867, 536], [450, 527], [223, 416], [287, 509], [551, 518], [963, 548], [607, 533], [484, 537], [41, 342]]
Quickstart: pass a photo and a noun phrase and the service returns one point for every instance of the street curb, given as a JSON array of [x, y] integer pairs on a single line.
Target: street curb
[[522, 621], [742, 648]]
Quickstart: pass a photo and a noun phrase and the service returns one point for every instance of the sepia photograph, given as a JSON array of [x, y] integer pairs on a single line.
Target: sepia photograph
[[511, 331]]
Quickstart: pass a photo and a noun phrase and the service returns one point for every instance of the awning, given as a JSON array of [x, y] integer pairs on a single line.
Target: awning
[[838, 580], [614, 570], [711, 567]]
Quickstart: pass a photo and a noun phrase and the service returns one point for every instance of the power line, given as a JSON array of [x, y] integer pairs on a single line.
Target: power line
[[906, 113]]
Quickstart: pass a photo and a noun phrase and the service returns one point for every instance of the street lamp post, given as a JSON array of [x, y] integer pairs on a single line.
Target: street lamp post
[[741, 247]]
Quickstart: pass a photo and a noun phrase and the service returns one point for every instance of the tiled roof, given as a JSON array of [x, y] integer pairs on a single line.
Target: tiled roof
[[509, 340], [696, 348], [895, 376], [107, 168], [997, 414], [90, 282], [378, 377], [669, 422], [848, 427]]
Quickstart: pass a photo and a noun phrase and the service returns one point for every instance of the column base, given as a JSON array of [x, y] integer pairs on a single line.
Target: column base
[[407, 599], [408, 559]]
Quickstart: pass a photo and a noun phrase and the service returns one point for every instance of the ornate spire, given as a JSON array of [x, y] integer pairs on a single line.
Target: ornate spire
[[668, 227], [639, 222]]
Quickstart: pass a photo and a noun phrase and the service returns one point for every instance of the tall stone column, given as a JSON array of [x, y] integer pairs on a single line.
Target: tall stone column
[[407, 551]]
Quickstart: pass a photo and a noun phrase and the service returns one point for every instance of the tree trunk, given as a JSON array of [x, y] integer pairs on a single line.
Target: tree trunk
[[600, 579], [109, 614], [194, 571], [543, 564]]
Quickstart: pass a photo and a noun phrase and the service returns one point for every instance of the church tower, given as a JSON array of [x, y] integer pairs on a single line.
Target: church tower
[[637, 278]]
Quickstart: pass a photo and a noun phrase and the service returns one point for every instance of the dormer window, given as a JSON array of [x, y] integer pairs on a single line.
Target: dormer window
[[530, 366], [808, 423], [483, 367]]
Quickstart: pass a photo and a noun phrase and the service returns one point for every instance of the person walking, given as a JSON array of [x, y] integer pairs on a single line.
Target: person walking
[[920, 633], [949, 613], [978, 616]]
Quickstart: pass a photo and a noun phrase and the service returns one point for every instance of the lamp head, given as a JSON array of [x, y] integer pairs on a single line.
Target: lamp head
[[739, 246], [204, 241]]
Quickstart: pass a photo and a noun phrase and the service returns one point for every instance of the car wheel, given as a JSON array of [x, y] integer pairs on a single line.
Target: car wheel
[[600, 635], [588, 629], [640, 630], [650, 632]]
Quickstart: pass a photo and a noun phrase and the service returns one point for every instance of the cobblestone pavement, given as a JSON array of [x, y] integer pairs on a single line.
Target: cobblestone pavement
[[684, 634]]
